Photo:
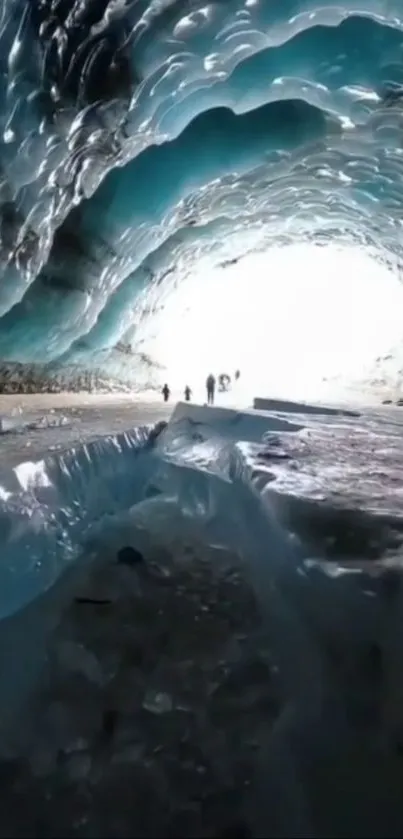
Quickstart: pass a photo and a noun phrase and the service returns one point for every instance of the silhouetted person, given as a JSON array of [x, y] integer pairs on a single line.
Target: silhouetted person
[[210, 386], [224, 382], [188, 393], [166, 392], [237, 375]]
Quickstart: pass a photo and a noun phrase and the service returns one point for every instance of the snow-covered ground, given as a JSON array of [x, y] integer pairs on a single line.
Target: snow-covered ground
[[202, 623]]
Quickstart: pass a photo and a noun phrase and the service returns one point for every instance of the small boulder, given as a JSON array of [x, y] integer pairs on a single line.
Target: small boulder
[[129, 556]]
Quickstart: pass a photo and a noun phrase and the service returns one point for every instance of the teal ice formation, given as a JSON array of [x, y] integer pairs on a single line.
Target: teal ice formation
[[136, 136]]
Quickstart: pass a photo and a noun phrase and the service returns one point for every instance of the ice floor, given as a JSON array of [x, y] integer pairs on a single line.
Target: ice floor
[[202, 629]]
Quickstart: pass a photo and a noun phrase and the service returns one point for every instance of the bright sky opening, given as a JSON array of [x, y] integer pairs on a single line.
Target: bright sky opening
[[288, 319]]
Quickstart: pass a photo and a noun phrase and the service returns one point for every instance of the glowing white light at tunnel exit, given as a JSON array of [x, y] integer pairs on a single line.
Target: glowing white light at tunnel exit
[[289, 319]]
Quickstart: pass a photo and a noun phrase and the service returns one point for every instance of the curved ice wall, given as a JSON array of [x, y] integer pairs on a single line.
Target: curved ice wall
[[135, 136]]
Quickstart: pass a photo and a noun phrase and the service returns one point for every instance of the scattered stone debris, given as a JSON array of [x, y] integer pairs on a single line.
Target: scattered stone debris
[[41, 378], [8, 425], [142, 727], [157, 702], [160, 690], [13, 425], [50, 420]]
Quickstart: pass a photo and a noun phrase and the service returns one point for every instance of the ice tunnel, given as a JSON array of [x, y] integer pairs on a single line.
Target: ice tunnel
[[142, 142], [201, 616]]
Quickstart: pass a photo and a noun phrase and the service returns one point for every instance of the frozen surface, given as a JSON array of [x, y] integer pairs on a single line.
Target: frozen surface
[[285, 406], [328, 458], [308, 517]]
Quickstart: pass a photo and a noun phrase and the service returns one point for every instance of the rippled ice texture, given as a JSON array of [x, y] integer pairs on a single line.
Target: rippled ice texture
[[136, 137]]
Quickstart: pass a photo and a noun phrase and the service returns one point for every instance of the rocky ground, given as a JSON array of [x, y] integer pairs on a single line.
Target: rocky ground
[[121, 370], [148, 720], [31, 378], [160, 689], [158, 701], [66, 420]]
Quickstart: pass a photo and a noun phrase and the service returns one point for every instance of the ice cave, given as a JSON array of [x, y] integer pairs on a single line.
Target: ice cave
[[201, 606]]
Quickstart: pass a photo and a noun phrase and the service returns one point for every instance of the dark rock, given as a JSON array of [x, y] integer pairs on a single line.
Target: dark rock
[[109, 722], [92, 601], [375, 661], [390, 583], [129, 556], [236, 830], [16, 377], [156, 431]]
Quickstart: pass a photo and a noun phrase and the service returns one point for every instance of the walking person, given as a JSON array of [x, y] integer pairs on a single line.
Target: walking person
[[166, 392], [188, 393], [210, 387]]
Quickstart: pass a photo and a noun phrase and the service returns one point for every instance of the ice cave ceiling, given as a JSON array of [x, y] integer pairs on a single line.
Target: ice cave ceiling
[[136, 136]]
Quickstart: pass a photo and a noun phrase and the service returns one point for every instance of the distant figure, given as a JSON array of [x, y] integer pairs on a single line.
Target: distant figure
[[224, 382], [166, 392], [188, 393], [210, 386], [237, 375]]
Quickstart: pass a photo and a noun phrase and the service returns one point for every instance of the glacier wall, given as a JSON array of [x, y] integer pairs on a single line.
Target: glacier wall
[[136, 137]]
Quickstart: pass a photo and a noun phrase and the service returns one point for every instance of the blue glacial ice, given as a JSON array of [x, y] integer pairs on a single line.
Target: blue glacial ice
[[137, 138], [51, 508], [240, 480], [287, 490]]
